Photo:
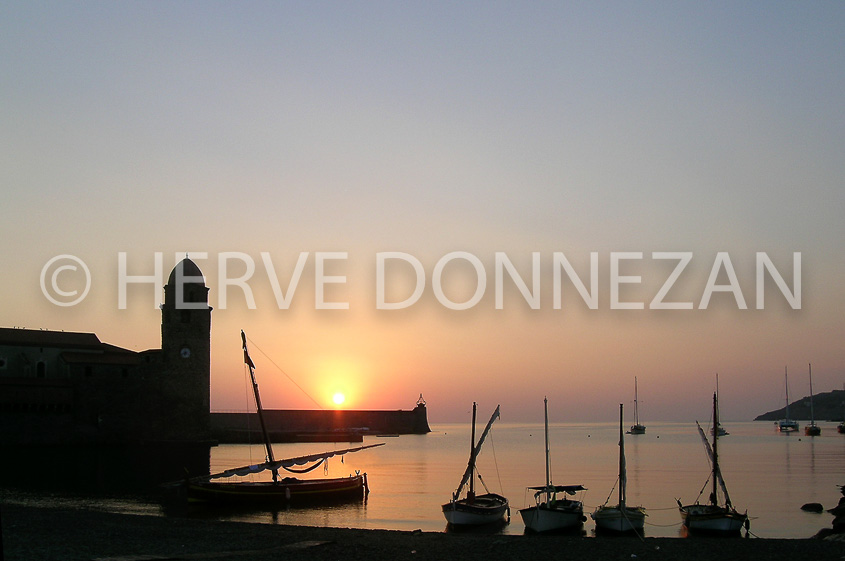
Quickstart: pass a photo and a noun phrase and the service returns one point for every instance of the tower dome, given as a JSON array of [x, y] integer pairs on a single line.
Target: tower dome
[[185, 288], [188, 271]]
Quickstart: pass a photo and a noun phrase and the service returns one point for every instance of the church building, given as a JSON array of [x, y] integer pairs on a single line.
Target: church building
[[61, 387]]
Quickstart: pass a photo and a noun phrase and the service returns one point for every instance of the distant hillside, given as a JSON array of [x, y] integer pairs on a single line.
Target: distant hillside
[[828, 406]]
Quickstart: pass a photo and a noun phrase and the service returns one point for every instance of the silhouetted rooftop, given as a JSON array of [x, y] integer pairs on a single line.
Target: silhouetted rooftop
[[43, 338]]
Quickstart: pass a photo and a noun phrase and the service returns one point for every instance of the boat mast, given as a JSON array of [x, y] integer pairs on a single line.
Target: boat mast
[[471, 492], [715, 421], [716, 473], [548, 470], [623, 475], [267, 445], [812, 416], [636, 405], [786, 383]]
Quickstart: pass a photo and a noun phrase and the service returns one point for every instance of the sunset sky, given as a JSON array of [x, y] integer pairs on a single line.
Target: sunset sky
[[429, 128]]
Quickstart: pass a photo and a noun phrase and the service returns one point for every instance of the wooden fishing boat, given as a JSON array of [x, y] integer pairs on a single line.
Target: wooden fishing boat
[[551, 513], [279, 491], [712, 517], [620, 518], [476, 510]]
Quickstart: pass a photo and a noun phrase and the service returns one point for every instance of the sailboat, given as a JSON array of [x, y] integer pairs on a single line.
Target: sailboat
[[841, 426], [550, 513], [475, 510], [718, 428], [620, 518], [787, 425], [812, 429], [636, 428], [279, 491], [713, 517]]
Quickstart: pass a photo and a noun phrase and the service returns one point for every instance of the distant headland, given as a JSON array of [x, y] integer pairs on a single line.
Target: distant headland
[[828, 406]]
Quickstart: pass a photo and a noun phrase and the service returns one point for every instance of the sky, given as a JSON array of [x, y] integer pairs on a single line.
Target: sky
[[450, 134]]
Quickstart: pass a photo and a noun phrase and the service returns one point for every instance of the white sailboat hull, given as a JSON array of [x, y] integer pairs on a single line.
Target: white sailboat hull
[[484, 509], [712, 519], [562, 515], [615, 519]]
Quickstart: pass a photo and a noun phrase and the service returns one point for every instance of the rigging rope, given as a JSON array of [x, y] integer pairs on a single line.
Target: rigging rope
[[703, 488], [285, 373], [611, 491], [496, 463], [486, 490]]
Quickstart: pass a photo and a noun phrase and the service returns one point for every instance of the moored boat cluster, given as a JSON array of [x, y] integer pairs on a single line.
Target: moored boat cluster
[[553, 513]]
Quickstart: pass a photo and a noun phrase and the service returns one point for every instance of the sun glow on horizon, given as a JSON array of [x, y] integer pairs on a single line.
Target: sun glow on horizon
[[338, 398]]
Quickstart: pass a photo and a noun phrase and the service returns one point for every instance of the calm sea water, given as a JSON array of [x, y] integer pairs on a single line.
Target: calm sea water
[[769, 474]]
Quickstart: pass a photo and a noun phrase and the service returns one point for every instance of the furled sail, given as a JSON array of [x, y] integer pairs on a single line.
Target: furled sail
[[717, 471], [475, 452], [286, 463], [568, 489]]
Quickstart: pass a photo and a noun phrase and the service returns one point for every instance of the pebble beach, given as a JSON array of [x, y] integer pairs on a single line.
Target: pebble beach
[[34, 533]]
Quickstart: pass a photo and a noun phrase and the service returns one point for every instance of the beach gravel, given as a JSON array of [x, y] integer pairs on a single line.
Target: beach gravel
[[33, 533]]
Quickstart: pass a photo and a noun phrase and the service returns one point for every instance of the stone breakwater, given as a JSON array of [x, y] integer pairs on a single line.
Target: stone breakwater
[[285, 425]]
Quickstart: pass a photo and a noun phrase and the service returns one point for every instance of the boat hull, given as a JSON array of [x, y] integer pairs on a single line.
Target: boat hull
[[812, 430], [787, 426], [620, 520], [484, 509], [637, 429], [712, 519], [559, 515], [289, 490]]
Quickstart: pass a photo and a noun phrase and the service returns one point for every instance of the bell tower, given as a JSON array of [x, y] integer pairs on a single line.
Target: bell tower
[[186, 349]]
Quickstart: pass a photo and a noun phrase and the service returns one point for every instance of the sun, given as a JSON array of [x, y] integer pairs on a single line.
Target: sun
[[338, 398]]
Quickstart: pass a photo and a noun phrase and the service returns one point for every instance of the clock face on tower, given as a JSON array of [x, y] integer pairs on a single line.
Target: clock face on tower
[[185, 352]]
